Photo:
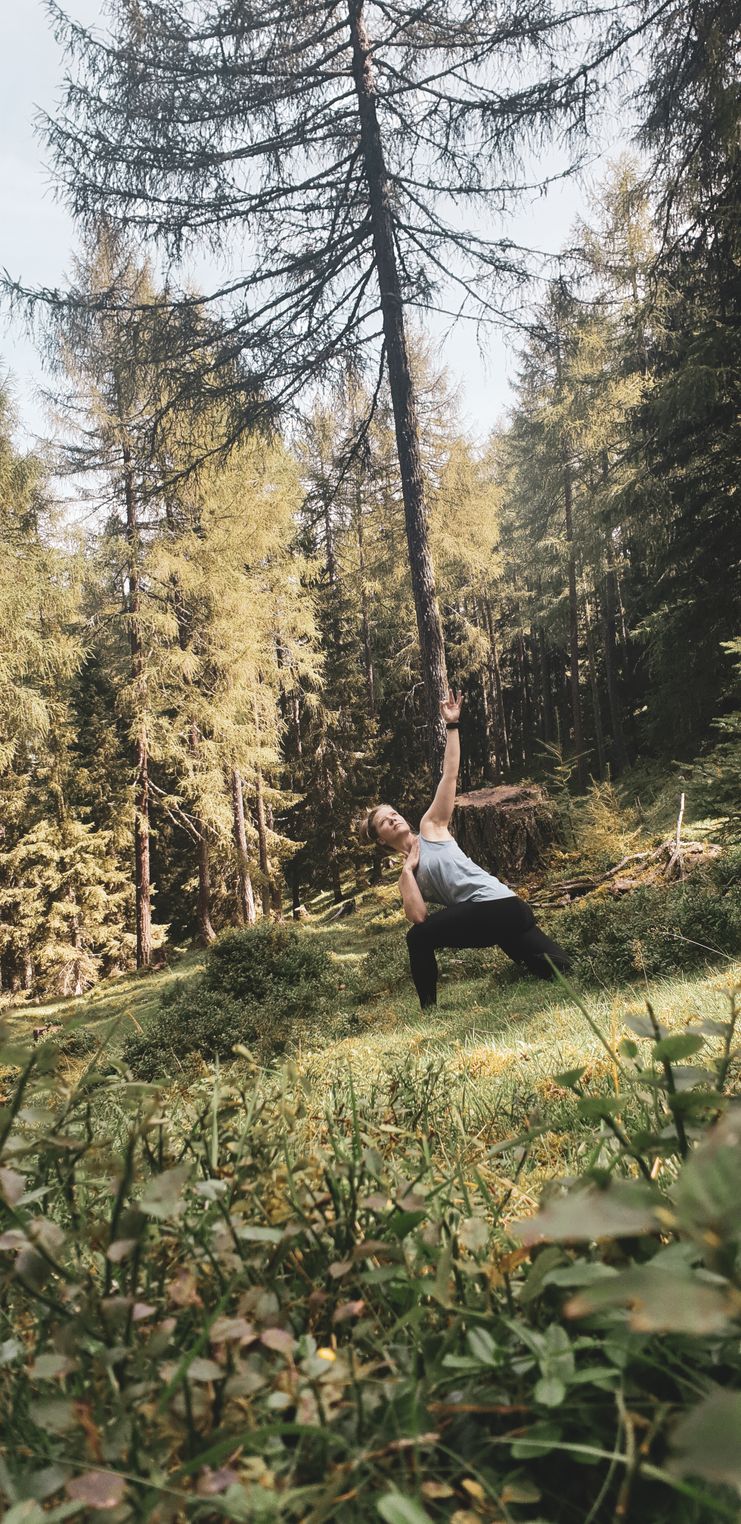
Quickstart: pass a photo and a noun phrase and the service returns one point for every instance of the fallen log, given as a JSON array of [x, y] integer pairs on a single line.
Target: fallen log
[[348, 907], [655, 865]]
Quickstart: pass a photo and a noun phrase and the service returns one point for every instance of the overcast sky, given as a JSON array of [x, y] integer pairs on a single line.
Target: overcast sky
[[38, 239]]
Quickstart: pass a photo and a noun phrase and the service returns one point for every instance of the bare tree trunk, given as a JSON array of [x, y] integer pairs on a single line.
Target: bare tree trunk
[[206, 933], [328, 801], [370, 684], [262, 844], [334, 868], [27, 969], [141, 749], [276, 898], [599, 734], [568, 495], [76, 938], [296, 722], [246, 893], [545, 678], [501, 736], [576, 721], [429, 624], [524, 687], [609, 646]]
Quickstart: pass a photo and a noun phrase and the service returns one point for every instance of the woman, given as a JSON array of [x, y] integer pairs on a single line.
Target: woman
[[480, 910]]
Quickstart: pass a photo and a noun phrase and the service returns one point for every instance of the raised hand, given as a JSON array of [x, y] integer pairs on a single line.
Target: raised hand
[[450, 707], [411, 861]]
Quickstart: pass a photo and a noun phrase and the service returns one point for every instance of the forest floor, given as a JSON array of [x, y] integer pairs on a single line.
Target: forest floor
[[497, 1036], [495, 1041], [394, 1131]]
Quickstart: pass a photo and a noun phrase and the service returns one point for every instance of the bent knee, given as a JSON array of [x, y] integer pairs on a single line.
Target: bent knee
[[416, 932]]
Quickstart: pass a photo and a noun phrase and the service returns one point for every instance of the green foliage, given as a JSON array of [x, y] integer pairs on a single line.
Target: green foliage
[[195, 1023], [252, 965], [257, 987], [716, 775], [385, 967], [652, 931], [250, 1254], [606, 830]]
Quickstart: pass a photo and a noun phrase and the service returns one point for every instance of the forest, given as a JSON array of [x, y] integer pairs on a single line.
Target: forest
[[268, 1244]]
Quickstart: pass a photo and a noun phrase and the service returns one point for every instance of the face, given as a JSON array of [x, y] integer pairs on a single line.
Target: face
[[390, 827]]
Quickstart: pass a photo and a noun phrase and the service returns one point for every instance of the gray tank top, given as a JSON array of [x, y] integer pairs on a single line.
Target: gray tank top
[[447, 876]]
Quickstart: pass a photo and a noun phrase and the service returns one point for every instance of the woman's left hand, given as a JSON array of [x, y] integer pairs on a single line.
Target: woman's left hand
[[450, 707]]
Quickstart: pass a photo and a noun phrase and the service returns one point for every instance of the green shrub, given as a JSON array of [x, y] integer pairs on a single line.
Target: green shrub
[[255, 965], [256, 987], [193, 1022], [383, 969], [651, 930]]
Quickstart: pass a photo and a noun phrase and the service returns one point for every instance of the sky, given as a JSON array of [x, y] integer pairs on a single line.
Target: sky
[[37, 241]]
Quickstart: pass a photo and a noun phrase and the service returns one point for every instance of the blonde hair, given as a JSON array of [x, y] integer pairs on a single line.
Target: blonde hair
[[367, 830]]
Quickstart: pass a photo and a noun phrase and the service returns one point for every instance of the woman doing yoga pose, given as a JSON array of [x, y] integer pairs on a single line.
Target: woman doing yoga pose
[[480, 911]]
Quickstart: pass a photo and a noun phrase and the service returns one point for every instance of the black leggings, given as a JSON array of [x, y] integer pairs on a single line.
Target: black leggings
[[507, 923]]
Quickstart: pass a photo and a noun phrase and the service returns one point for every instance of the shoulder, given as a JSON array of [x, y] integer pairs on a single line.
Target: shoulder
[[432, 830]]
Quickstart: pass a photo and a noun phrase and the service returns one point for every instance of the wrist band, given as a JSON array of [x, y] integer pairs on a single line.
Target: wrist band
[[452, 725]]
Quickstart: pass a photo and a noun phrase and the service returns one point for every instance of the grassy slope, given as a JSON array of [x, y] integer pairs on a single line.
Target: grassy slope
[[500, 1035]]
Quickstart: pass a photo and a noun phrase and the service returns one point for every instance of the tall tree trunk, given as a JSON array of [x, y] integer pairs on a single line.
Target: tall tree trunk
[[141, 748], [334, 868], [262, 844], [206, 933], [296, 723], [545, 678], [276, 898], [484, 707], [599, 734], [27, 969], [524, 692], [246, 893], [568, 495], [501, 736], [370, 683], [576, 721], [429, 624], [612, 681], [328, 803], [76, 939]]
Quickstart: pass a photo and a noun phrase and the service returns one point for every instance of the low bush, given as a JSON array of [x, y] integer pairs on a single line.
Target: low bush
[[650, 930], [255, 965], [257, 987], [383, 969]]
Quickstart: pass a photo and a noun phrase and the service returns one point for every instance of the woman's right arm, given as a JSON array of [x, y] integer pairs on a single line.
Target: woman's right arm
[[415, 909]]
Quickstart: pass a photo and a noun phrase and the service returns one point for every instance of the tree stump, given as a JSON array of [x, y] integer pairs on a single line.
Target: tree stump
[[506, 829]]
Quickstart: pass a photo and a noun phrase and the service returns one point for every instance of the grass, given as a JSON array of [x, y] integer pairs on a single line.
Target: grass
[[497, 1036], [352, 1212]]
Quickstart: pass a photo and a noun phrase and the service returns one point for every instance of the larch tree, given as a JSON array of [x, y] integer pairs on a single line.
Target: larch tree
[[345, 145], [225, 567], [61, 887], [100, 341]]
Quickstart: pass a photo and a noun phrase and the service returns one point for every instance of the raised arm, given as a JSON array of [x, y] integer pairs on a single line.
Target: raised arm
[[438, 815]]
